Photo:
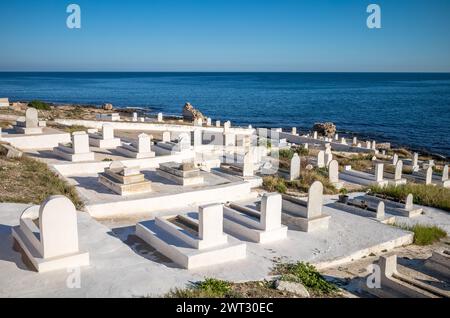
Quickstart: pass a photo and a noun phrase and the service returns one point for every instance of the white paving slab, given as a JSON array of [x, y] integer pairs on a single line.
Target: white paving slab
[[124, 266]]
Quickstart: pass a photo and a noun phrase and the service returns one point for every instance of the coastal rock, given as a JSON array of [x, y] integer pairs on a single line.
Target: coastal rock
[[107, 106], [325, 129], [190, 113], [292, 287]]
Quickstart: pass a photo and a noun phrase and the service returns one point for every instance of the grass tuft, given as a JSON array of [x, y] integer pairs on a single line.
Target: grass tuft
[[209, 288], [424, 234], [27, 180], [308, 275], [307, 177], [429, 195]]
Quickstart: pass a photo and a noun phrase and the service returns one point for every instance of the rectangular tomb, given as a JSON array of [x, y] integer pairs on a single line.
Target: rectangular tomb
[[370, 209], [306, 215], [78, 150], [406, 209], [124, 181], [396, 284], [181, 173], [439, 262], [193, 241], [262, 226]]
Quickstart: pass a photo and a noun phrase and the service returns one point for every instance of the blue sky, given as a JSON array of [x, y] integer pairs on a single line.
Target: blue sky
[[225, 35]]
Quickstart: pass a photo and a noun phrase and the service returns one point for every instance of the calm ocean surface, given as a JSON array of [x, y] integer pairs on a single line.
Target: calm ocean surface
[[406, 109]]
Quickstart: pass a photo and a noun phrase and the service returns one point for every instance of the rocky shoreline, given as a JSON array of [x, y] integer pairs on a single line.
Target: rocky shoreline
[[93, 109]]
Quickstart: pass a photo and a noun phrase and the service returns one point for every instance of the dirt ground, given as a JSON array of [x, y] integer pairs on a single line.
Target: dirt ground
[[411, 260]]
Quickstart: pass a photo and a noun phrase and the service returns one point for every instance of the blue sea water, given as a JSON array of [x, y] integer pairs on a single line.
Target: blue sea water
[[405, 108]]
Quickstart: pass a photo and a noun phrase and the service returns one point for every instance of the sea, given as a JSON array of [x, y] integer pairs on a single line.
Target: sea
[[406, 109]]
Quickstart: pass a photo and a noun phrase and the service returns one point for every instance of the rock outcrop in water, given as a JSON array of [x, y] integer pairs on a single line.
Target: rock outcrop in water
[[325, 129], [190, 113]]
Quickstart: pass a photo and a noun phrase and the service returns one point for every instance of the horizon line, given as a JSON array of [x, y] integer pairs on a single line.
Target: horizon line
[[293, 72]]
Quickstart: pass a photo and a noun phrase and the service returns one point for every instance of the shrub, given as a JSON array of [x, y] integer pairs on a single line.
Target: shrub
[[425, 234], [273, 184], [214, 286], [209, 288], [286, 154], [39, 105], [307, 275]]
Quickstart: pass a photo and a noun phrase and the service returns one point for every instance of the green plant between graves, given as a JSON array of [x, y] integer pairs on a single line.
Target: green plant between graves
[[424, 234], [307, 275]]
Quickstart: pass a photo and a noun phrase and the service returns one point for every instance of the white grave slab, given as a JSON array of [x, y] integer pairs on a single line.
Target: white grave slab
[[48, 235], [307, 215], [78, 150], [193, 242], [140, 149], [30, 124], [106, 139], [262, 226]]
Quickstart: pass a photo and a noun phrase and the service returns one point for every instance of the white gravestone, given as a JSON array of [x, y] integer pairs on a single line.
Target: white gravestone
[[160, 117], [107, 132], [315, 135], [415, 162], [271, 211], [208, 121], [398, 180], [198, 122], [143, 143], [333, 171], [294, 131], [295, 168], [57, 239], [379, 172], [217, 123], [429, 175], [166, 136], [30, 124], [394, 159], [106, 140], [315, 200], [31, 118], [210, 223], [445, 173], [321, 159], [409, 202], [226, 126], [398, 170], [80, 142]]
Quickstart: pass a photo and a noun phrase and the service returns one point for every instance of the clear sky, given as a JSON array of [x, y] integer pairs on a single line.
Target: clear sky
[[225, 35]]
